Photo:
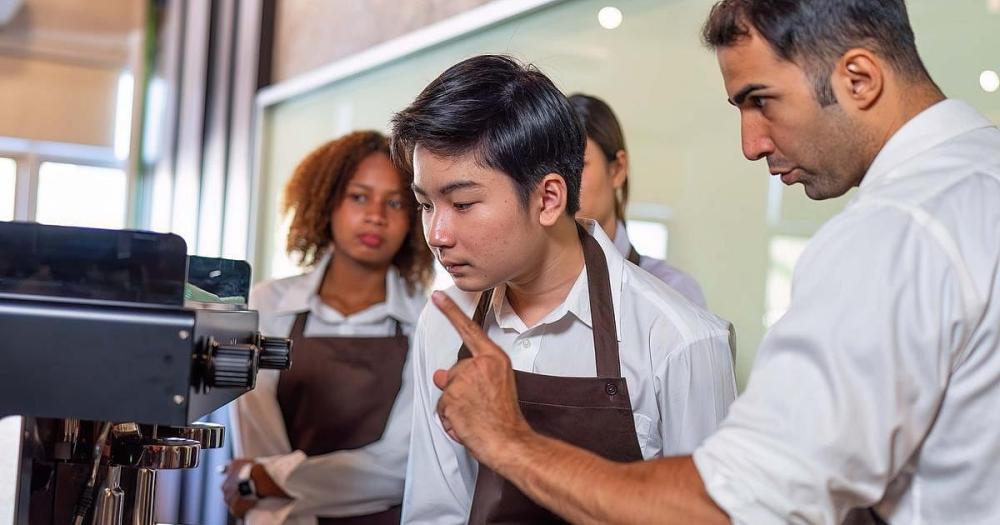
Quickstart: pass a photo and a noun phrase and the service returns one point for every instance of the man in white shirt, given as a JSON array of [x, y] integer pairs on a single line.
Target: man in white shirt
[[607, 356], [878, 390]]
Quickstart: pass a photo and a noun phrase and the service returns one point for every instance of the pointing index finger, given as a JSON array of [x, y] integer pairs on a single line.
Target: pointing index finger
[[472, 335]]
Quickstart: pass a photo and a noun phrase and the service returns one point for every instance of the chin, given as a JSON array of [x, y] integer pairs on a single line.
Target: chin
[[471, 284], [822, 194]]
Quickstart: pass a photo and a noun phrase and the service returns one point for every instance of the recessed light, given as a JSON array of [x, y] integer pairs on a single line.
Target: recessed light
[[609, 17], [989, 80]]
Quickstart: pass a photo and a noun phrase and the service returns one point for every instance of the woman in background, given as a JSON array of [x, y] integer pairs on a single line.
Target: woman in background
[[326, 441], [604, 191]]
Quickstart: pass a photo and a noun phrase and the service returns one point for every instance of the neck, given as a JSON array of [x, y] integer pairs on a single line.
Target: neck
[[349, 286], [922, 96], [536, 293]]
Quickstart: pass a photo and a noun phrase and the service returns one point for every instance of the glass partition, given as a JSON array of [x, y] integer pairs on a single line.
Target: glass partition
[[732, 227]]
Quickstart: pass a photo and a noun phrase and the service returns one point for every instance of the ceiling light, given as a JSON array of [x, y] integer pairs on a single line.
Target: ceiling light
[[989, 81], [609, 17]]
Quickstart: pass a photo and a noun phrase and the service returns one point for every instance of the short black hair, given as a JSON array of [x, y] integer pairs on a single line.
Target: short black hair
[[816, 33], [511, 117], [602, 126]]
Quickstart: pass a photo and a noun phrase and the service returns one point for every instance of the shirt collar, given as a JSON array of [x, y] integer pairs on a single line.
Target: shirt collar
[[577, 301], [937, 124], [303, 296]]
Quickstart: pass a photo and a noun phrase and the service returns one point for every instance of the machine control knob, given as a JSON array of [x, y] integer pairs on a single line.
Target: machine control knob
[[275, 352], [232, 365]]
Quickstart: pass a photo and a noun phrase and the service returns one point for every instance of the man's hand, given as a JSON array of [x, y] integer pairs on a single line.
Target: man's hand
[[238, 506], [479, 405]]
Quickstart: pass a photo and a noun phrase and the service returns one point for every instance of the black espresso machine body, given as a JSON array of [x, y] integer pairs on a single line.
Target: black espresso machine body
[[114, 343]]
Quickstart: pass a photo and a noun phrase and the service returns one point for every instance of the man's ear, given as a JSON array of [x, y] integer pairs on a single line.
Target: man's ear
[[551, 194], [859, 79]]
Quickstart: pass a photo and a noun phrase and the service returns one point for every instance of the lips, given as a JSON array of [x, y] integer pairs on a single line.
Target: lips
[[787, 177], [371, 240], [453, 267]]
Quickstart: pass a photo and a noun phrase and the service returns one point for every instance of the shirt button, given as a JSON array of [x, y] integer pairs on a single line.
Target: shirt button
[[611, 389], [526, 343]]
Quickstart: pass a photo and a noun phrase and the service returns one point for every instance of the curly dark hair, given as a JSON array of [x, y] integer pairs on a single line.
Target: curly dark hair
[[316, 188]]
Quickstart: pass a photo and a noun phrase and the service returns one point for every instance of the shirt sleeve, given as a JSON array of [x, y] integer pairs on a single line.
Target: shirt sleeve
[[440, 473], [694, 387], [848, 382]]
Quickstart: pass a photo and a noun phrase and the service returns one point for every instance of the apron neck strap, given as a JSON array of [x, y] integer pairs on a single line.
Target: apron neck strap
[[602, 311], [299, 327], [479, 318], [602, 308], [633, 255]]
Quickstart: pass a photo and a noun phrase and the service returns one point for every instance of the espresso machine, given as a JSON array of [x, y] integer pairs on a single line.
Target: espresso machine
[[114, 343]]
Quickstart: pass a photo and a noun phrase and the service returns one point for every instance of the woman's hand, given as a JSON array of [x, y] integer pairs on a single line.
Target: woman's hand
[[238, 505]]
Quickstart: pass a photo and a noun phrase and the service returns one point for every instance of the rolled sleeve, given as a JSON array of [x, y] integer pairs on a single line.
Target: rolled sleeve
[[847, 384]]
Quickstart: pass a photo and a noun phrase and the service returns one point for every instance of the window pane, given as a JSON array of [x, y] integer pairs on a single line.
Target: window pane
[[8, 180], [649, 238], [785, 252], [74, 195]]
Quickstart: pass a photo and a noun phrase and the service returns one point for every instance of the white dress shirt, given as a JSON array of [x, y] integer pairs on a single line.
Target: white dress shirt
[[678, 280], [881, 385], [675, 357], [343, 483]]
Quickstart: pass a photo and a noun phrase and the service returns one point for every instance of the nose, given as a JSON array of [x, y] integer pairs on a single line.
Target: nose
[[756, 138], [376, 211], [438, 231]]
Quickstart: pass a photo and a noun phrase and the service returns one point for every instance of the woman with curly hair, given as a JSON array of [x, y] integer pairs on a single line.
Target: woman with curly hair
[[326, 441]]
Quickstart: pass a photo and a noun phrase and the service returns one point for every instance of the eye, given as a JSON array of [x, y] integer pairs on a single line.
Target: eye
[[463, 206], [424, 207], [395, 204], [360, 198], [758, 102]]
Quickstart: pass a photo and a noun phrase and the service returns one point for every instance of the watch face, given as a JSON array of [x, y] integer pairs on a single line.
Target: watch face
[[246, 488]]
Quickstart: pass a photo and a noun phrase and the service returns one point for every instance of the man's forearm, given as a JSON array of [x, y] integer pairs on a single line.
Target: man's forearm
[[584, 488]]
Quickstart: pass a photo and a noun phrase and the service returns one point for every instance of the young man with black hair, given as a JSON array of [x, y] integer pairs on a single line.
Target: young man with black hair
[[607, 356], [874, 399]]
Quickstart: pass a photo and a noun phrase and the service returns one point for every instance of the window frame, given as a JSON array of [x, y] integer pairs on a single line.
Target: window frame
[[29, 155]]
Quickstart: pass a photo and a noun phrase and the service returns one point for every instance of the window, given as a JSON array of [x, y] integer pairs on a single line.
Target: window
[[8, 183], [785, 252], [79, 195], [649, 238]]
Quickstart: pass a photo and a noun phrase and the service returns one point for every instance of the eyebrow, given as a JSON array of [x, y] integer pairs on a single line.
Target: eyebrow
[[457, 185], [742, 94], [368, 188]]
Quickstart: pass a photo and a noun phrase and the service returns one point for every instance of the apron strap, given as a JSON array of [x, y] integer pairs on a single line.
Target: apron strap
[[299, 326], [633, 255], [602, 311], [479, 318]]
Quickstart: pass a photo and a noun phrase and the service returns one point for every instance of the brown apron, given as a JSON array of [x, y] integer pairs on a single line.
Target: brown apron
[[338, 397], [594, 413]]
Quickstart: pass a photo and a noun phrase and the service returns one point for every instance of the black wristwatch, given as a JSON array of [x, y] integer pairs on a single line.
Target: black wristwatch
[[246, 486]]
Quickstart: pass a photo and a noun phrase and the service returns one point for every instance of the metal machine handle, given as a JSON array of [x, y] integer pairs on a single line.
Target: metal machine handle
[[208, 435], [111, 500]]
